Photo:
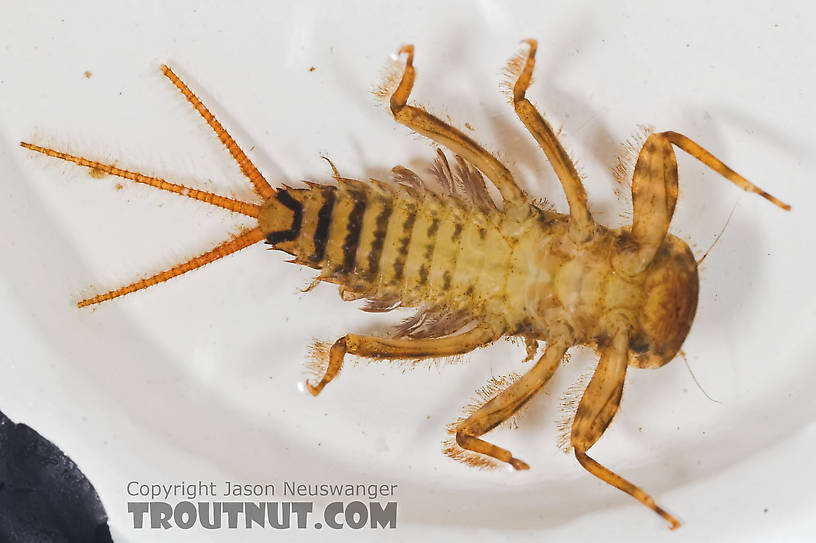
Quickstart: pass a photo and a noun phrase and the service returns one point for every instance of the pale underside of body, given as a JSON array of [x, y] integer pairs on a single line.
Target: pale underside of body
[[477, 271]]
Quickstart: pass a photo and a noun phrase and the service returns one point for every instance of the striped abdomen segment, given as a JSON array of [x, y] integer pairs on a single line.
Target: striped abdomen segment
[[328, 228], [388, 243]]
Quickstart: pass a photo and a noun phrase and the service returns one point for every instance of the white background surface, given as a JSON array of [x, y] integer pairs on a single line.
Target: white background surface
[[196, 379]]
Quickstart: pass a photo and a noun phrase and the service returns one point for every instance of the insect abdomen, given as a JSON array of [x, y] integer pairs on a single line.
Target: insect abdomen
[[347, 233], [388, 243]]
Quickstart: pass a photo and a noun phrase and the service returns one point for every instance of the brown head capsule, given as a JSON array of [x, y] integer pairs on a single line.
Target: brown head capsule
[[670, 292]]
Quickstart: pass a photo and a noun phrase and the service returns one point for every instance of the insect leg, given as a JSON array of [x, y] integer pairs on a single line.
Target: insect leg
[[716, 164], [595, 411], [654, 194], [262, 186], [374, 347], [431, 127], [503, 405], [543, 133]]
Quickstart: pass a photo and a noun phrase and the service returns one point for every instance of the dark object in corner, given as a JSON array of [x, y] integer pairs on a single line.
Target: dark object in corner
[[44, 497]]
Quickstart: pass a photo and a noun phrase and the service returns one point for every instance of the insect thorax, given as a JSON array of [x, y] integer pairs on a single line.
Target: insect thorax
[[577, 284]]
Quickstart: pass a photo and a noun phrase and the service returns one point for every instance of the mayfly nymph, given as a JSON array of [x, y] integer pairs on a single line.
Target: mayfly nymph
[[476, 271]]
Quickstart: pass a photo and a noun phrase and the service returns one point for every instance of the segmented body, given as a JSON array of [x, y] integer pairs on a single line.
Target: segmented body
[[400, 245], [476, 272], [403, 245]]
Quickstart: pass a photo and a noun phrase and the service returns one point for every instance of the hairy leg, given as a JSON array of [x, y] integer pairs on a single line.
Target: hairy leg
[[654, 195], [431, 127], [583, 224], [598, 406], [374, 347], [694, 149], [505, 404]]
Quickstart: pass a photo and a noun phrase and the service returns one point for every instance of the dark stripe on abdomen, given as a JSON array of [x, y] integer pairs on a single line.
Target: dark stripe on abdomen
[[427, 256], [379, 241], [286, 199], [353, 227], [321, 235], [404, 241]]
